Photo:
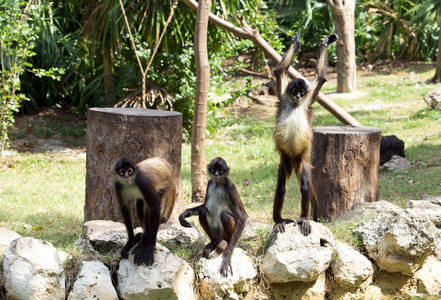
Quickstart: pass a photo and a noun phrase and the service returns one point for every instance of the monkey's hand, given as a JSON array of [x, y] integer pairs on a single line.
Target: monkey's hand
[[226, 265], [280, 225], [329, 40], [143, 254], [182, 220], [304, 226], [296, 38], [125, 250]]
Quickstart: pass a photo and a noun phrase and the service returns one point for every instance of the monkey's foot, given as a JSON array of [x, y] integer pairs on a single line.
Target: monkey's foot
[[280, 225], [223, 244], [126, 249], [329, 40], [143, 254], [206, 252], [304, 226], [296, 38]]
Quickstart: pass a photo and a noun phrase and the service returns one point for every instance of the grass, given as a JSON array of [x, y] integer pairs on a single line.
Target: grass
[[42, 194]]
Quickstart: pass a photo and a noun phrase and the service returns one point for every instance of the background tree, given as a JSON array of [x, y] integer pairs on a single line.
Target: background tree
[[343, 12], [198, 173]]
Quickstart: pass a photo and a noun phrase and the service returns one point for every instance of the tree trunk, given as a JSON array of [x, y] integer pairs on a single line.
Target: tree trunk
[[346, 164], [198, 168], [437, 76], [343, 14], [135, 133], [109, 89], [253, 34]]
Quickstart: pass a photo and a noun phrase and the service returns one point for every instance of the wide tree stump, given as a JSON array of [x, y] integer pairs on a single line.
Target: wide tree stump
[[346, 162], [135, 133]]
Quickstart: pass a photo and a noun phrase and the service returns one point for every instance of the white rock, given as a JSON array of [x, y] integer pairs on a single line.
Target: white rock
[[398, 241], [170, 277], [174, 233], [396, 163], [100, 236], [214, 286], [429, 277], [6, 237], [295, 257], [426, 209], [350, 269], [93, 282], [33, 270], [313, 290]]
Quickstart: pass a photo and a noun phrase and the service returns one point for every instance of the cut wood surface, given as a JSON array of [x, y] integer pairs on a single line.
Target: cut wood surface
[[135, 133], [346, 162]]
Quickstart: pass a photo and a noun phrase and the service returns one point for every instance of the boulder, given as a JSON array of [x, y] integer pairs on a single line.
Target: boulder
[[428, 278], [426, 209], [433, 98], [349, 268], [365, 210], [292, 256], [32, 270], [174, 233], [170, 277], [101, 237], [398, 241], [214, 286], [93, 282], [6, 237], [254, 229], [396, 163], [313, 290]]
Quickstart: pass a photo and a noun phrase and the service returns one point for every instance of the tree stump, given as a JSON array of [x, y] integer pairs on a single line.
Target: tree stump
[[346, 162], [135, 133]]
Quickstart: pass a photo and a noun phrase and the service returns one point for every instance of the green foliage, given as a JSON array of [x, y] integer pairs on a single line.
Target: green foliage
[[19, 23]]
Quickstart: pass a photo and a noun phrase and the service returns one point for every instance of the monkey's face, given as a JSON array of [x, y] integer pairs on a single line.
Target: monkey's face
[[218, 169], [124, 170], [298, 88]]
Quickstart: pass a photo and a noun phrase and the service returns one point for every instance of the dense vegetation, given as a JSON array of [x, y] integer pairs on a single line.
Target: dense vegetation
[[69, 49]]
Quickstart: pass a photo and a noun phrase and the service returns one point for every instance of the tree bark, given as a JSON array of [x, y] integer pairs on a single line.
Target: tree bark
[[135, 133], [253, 34], [437, 76], [343, 12], [109, 89], [198, 168], [346, 162]]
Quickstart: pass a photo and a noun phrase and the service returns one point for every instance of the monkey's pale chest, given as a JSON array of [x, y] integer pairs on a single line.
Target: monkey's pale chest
[[218, 201], [292, 133]]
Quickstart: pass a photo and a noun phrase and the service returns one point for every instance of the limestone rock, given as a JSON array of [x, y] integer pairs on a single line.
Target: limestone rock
[[433, 98], [426, 209], [101, 236], [170, 277], [93, 282], [6, 237], [350, 269], [174, 233], [292, 256], [396, 163], [398, 241], [429, 277], [214, 286], [254, 228], [366, 210], [313, 290], [32, 270], [437, 251]]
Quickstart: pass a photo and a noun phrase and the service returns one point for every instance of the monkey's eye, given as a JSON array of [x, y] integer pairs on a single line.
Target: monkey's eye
[[221, 171], [121, 172], [130, 171], [302, 92]]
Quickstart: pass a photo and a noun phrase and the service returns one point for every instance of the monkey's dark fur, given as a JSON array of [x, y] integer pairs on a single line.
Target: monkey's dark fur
[[292, 133], [153, 185], [222, 216]]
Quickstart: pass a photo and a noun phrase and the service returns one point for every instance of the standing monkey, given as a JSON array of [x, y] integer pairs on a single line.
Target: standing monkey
[[152, 184], [222, 216], [292, 133]]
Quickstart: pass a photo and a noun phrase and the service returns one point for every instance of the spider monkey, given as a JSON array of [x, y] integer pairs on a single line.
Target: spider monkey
[[153, 185], [222, 216], [292, 133]]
